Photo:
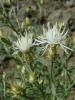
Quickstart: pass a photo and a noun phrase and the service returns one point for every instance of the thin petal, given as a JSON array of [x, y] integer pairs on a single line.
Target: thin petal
[[64, 48], [65, 33]]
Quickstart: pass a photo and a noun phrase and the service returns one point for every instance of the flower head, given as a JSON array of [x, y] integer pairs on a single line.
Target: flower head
[[54, 36], [23, 43], [17, 88]]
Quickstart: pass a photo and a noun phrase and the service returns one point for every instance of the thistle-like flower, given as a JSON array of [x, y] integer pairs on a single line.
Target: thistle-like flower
[[54, 36], [23, 43]]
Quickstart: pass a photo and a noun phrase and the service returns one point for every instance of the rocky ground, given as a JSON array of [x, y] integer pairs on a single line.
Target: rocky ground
[[50, 10]]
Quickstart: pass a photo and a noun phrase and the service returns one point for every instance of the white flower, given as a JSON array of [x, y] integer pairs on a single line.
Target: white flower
[[23, 43], [54, 36]]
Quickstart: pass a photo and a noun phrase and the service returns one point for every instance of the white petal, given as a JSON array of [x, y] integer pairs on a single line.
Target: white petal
[[68, 48], [64, 48]]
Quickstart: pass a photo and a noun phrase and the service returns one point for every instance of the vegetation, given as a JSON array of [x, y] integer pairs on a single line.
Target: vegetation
[[36, 56]]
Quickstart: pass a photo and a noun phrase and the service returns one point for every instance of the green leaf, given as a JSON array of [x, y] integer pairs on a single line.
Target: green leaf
[[6, 41], [53, 89]]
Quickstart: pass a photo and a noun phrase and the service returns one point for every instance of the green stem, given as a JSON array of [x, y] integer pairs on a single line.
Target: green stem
[[51, 80], [4, 89], [41, 90], [4, 85]]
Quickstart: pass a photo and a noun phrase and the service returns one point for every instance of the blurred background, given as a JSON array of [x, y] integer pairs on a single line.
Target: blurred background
[[39, 11]]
